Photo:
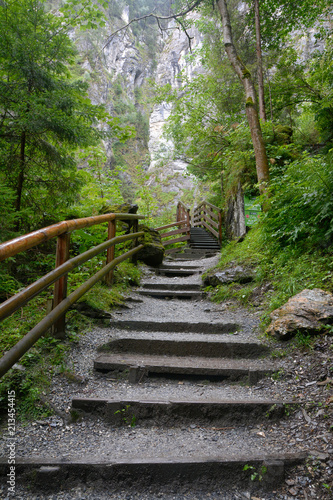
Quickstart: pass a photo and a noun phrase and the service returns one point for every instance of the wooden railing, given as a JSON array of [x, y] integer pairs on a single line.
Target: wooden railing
[[210, 217], [183, 222], [58, 276]]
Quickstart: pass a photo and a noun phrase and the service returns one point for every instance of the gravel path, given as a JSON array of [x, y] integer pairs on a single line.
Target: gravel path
[[307, 428]]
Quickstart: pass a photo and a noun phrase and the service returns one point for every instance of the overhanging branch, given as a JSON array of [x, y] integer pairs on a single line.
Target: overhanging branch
[[176, 17]]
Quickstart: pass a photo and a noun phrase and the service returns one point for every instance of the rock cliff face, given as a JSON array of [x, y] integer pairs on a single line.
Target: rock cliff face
[[172, 64], [118, 76]]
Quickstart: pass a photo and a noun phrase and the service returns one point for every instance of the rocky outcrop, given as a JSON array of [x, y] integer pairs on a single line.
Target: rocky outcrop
[[171, 65], [237, 274], [153, 251], [307, 311]]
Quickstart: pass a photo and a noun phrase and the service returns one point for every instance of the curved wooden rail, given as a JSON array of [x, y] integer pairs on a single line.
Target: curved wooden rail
[[61, 302]]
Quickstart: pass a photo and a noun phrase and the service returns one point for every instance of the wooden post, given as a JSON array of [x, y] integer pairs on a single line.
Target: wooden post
[[203, 214], [112, 229], [188, 218], [60, 286], [134, 259], [220, 228]]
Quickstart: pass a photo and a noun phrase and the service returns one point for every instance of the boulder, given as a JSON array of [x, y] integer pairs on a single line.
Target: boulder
[[237, 274], [307, 311], [153, 252]]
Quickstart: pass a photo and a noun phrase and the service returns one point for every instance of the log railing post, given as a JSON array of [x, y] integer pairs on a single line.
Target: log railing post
[[60, 286], [134, 259], [220, 227], [112, 229], [188, 218]]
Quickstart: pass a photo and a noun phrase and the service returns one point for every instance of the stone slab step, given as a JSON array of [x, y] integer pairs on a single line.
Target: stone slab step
[[167, 267], [60, 473], [195, 257], [180, 412], [179, 273], [214, 349], [176, 326], [140, 366], [172, 286], [171, 294], [203, 244]]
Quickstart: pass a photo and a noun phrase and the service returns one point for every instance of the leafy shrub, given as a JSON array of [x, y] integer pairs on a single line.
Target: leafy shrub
[[301, 207]]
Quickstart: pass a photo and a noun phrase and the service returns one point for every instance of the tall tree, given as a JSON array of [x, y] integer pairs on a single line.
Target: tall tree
[[250, 95], [45, 115], [261, 92]]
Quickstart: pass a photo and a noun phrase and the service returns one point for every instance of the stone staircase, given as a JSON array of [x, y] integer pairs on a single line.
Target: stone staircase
[[166, 349]]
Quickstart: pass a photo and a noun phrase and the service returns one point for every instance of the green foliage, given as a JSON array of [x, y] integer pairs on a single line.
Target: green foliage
[[31, 378], [256, 475], [46, 115], [301, 207], [289, 269], [126, 418], [279, 18], [144, 196]]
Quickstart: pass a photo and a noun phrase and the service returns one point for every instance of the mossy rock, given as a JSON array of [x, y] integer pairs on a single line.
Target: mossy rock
[[283, 134], [153, 252], [124, 208]]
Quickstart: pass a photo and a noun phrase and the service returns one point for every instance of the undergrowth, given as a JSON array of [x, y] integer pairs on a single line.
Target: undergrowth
[[288, 270], [31, 377]]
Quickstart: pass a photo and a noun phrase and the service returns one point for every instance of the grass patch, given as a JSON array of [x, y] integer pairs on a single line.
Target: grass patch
[[288, 269]]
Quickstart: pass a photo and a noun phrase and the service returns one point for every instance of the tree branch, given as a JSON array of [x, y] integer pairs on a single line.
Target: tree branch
[[190, 8]]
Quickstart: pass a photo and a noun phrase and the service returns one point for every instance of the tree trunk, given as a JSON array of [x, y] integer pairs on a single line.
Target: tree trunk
[[261, 93], [250, 95], [21, 174]]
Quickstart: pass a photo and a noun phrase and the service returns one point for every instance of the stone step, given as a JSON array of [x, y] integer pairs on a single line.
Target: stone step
[[140, 366], [179, 273], [176, 326], [225, 348], [205, 255], [204, 245], [179, 412], [55, 474], [175, 267], [171, 294], [171, 286]]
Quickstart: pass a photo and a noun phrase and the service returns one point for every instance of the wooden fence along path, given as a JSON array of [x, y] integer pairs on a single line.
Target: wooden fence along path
[[58, 276], [205, 214]]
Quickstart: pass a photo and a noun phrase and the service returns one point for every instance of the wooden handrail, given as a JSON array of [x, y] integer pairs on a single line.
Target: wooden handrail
[[214, 207], [204, 215], [27, 241], [59, 275], [24, 296], [171, 225], [14, 354]]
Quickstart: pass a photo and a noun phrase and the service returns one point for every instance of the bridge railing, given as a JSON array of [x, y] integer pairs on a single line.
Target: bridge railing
[[208, 216], [183, 222], [58, 276]]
